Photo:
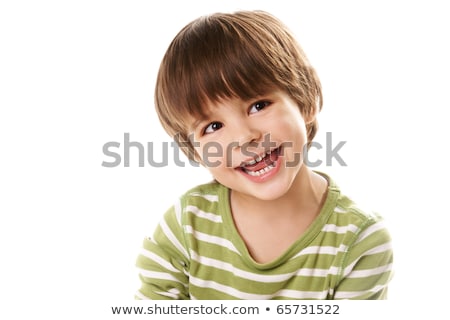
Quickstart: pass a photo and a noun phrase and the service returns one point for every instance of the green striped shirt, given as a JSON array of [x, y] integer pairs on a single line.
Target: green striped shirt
[[197, 253]]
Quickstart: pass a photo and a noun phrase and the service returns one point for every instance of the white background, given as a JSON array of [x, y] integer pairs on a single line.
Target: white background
[[75, 75]]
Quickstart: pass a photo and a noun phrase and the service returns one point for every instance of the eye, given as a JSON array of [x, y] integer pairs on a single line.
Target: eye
[[213, 126], [258, 106]]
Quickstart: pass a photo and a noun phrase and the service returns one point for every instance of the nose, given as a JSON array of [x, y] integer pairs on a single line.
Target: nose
[[245, 134]]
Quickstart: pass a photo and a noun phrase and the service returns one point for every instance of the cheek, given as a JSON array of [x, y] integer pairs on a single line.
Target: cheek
[[289, 125], [212, 154], [294, 134]]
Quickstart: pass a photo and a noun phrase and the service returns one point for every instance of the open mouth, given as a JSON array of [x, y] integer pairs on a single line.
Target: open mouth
[[261, 164]]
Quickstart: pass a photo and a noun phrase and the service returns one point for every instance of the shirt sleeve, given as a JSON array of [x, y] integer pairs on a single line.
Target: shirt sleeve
[[367, 266], [163, 263]]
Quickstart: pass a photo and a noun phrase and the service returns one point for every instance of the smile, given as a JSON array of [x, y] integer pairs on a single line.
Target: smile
[[261, 165], [260, 172], [257, 159]]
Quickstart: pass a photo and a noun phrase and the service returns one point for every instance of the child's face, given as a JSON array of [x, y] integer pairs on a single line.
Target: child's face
[[234, 137]]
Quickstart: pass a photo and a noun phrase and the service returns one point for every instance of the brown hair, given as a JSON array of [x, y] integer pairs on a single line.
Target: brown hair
[[243, 54]]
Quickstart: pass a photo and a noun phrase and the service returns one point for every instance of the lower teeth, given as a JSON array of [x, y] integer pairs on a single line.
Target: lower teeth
[[260, 172]]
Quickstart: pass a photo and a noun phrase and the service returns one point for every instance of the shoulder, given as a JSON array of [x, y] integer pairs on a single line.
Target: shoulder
[[212, 188], [346, 210], [353, 212], [204, 194], [365, 228], [205, 201], [196, 208], [353, 219]]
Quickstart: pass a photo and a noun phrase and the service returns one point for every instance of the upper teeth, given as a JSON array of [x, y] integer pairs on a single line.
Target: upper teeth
[[257, 159]]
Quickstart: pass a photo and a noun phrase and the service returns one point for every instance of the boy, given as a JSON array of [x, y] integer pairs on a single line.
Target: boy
[[238, 94]]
